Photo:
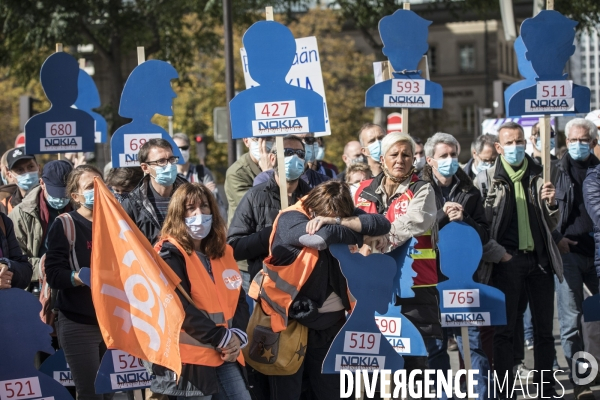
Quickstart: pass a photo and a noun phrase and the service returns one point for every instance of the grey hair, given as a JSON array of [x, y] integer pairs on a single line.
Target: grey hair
[[439, 137], [588, 125], [482, 141], [182, 136], [395, 137]]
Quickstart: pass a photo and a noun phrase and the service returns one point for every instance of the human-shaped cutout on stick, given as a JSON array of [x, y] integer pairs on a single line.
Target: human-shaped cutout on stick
[[62, 128], [464, 302], [274, 107], [88, 99], [147, 92], [23, 334], [360, 345], [120, 371], [404, 36], [548, 40], [525, 69], [402, 334]]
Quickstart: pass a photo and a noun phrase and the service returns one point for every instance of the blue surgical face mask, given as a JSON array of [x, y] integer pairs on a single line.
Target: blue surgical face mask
[[319, 152], [199, 226], [375, 150], [121, 196], [514, 154], [255, 148], [165, 176], [27, 180], [447, 166], [57, 203], [309, 150], [88, 195], [538, 144], [483, 165], [294, 167], [579, 151]]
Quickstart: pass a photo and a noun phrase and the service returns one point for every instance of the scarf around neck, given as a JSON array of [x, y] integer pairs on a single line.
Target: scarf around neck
[[525, 237]]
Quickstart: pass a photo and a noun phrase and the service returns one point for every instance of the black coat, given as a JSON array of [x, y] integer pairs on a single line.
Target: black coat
[[139, 209], [12, 255], [252, 223], [591, 195], [466, 195]]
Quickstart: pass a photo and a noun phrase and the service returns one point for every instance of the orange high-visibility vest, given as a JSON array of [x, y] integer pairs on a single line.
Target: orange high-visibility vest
[[424, 263], [281, 284], [218, 300]]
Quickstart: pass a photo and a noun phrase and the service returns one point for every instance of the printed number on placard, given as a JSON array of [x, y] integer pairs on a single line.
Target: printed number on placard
[[389, 326], [133, 142], [408, 86], [123, 362], [60, 129], [275, 109], [461, 298], [362, 342], [24, 388], [554, 90]]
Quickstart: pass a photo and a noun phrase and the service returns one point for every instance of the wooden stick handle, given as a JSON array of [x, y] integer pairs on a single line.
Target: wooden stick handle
[[59, 47], [141, 54]]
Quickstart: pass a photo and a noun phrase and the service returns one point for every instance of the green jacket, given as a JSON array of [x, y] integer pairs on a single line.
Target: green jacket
[[238, 180], [28, 228]]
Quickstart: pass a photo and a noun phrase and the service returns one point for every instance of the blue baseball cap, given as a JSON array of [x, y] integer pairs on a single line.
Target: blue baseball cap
[[55, 175]]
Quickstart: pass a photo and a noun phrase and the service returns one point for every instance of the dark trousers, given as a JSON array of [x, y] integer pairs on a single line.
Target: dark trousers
[[322, 386], [518, 277]]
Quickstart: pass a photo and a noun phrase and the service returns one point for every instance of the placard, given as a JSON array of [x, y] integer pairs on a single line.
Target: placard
[[465, 302], [88, 99], [56, 366], [120, 371], [404, 36], [61, 128], [269, 56], [147, 92], [304, 73], [543, 49]]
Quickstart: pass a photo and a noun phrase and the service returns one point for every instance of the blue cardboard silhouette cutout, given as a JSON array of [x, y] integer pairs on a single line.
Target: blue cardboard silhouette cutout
[[274, 107], [85, 275], [56, 367], [360, 345], [147, 92], [591, 308], [120, 371], [464, 302], [61, 129], [402, 334], [88, 99], [525, 69], [404, 36], [548, 40], [23, 334]]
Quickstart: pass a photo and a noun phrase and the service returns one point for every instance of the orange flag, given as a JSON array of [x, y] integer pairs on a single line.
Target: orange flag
[[132, 287]]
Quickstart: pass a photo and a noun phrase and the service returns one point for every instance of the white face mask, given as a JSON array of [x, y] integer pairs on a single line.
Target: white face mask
[[353, 188], [419, 163], [185, 154], [199, 226]]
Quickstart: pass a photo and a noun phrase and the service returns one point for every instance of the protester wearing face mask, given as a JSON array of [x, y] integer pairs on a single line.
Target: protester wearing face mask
[[536, 143], [147, 204], [457, 200], [483, 155], [370, 137], [197, 172], [123, 180], [521, 256], [419, 162], [352, 155], [319, 165], [77, 326], [240, 175], [38, 210], [24, 171], [356, 174], [4, 169], [193, 243], [574, 238]]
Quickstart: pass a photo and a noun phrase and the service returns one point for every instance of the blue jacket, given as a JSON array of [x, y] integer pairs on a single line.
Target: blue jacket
[[591, 195]]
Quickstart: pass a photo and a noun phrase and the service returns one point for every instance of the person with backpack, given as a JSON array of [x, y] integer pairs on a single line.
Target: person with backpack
[[68, 256]]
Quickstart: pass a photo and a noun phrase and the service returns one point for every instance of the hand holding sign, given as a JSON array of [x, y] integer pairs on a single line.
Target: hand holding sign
[[84, 276]]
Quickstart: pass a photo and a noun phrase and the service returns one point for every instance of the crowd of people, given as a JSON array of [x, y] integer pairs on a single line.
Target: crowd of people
[[539, 240]]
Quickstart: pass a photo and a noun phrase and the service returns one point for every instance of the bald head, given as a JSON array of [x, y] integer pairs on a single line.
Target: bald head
[[351, 152]]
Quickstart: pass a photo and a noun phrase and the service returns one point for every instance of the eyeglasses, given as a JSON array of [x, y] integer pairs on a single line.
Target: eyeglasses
[[582, 141], [184, 148], [287, 152], [163, 161]]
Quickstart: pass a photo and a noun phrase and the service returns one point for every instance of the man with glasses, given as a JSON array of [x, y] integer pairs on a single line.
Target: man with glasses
[[483, 155], [536, 143], [574, 236], [147, 204], [521, 255]]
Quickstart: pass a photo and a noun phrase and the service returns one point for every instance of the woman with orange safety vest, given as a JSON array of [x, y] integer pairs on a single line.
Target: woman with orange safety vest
[[193, 243], [309, 285]]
